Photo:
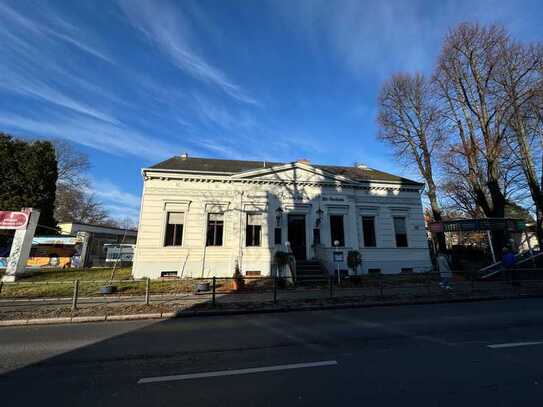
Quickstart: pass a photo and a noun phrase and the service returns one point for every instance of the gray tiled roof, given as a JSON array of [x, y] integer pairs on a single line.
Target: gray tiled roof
[[236, 166]]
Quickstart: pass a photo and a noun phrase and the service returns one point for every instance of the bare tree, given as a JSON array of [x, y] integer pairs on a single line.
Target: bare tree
[[411, 122], [75, 205], [72, 165], [466, 75], [520, 81], [74, 202]]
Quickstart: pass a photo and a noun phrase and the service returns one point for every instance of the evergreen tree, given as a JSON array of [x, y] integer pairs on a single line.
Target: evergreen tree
[[28, 176]]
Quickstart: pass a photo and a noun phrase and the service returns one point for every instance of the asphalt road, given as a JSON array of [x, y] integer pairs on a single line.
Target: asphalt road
[[483, 354]]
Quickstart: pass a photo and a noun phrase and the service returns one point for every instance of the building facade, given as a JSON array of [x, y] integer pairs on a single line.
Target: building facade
[[97, 238], [202, 217]]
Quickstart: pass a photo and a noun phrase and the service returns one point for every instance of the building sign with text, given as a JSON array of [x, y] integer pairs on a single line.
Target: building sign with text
[[13, 220]]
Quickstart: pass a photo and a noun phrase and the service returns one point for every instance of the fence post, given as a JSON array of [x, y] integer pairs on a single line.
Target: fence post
[[1, 286], [381, 286], [213, 286], [331, 286], [147, 290], [76, 293], [274, 289]]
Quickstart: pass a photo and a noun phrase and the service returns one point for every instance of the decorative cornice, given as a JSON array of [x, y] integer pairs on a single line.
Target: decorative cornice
[[222, 180]]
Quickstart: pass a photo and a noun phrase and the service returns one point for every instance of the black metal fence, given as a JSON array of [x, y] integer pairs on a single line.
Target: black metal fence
[[221, 291]]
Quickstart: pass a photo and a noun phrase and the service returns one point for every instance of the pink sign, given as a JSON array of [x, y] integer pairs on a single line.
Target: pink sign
[[13, 220]]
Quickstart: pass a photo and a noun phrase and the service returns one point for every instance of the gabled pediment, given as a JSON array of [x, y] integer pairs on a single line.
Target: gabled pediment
[[293, 172]]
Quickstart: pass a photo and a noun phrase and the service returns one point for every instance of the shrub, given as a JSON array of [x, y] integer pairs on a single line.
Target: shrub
[[354, 259], [281, 258], [239, 281]]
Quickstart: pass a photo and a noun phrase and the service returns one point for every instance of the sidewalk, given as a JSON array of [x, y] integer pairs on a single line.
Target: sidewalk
[[167, 305]]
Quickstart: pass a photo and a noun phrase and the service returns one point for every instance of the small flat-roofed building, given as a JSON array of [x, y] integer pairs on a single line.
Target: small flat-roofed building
[[97, 237]]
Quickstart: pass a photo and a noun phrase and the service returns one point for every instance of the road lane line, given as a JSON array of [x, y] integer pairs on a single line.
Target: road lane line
[[236, 372], [513, 344]]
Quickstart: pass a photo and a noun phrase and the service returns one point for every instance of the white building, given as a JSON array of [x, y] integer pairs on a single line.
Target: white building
[[200, 217]]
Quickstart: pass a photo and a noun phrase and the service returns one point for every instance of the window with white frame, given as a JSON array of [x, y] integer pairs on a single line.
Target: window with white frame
[[337, 232], [368, 231], [173, 235], [253, 230], [215, 228], [400, 231]]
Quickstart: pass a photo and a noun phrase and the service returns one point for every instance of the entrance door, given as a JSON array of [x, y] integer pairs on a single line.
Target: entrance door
[[296, 235]]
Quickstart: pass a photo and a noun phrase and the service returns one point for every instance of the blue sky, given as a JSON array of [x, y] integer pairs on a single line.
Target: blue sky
[[134, 82]]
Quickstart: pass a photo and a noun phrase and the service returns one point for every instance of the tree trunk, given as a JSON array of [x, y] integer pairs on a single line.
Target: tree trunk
[[436, 214], [539, 227]]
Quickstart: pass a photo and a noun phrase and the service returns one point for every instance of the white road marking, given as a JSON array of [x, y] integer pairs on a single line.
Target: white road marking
[[514, 344], [236, 372]]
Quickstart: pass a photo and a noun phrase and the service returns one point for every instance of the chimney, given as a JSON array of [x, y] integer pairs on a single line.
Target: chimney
[[184, 156], [361, 166], [303, 161]]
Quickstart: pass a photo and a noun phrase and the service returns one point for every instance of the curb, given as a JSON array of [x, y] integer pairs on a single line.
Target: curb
[[75, 320], [266, 310]]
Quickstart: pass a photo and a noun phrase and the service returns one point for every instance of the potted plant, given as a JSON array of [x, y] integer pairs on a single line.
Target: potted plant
[[110, 288], [239, 282], [202, 286], [354, 259], [281, 259]]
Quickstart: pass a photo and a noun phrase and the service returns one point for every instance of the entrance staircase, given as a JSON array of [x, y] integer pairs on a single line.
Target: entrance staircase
[[310, 272]]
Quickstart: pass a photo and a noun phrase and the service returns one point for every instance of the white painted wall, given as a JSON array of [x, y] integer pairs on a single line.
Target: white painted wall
[[298, 191]]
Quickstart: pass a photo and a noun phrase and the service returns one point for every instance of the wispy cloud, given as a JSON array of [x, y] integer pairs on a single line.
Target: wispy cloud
[[119, 204], [170, 30], [36, 88], [373, 38], [57, 28], [29, 69], [111, 138]]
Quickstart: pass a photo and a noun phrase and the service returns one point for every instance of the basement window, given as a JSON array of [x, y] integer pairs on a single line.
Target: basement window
[[253, 273], [167, 274]]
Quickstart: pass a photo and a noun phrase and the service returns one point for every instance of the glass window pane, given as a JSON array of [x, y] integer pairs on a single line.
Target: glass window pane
[[336, 227], [168, 238], [399, 225], [249, 235], [216, 216], [277, 236], [178, 235], [368, 229], [176, 218], [218, 234], [257, 234], [210, 234], [400, 230], [254, 219]]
